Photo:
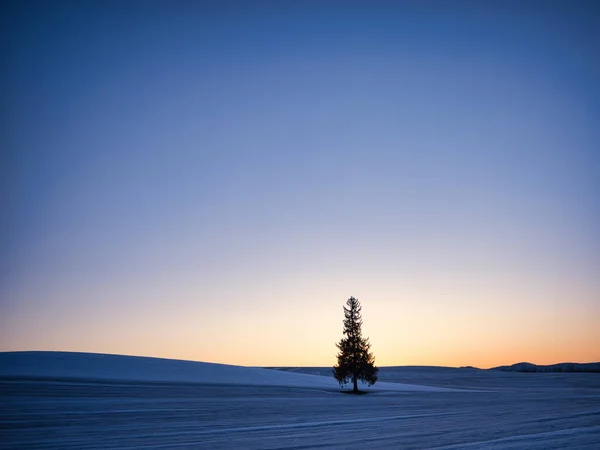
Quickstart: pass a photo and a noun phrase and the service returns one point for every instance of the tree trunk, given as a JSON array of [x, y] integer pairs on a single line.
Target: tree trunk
[[355, 383]]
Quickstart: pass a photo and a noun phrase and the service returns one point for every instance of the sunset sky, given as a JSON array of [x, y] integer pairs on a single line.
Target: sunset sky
[[212, 180]]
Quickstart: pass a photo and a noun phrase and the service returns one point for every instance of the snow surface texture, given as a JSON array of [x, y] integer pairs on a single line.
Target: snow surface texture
[[45, 408]]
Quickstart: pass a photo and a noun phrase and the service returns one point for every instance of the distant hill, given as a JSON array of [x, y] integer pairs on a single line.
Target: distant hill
[[561, 367]]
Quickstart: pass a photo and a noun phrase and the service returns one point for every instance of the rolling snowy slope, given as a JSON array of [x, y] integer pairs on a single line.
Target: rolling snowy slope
[[96, 366]]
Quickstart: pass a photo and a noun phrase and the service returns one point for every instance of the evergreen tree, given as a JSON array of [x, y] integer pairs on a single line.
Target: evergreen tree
[[355, 362]]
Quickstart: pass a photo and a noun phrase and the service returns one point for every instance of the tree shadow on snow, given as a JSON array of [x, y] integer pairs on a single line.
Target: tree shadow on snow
[[355, 393]]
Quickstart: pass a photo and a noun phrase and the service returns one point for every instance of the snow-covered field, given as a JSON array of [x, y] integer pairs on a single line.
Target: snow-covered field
[[63, 401]]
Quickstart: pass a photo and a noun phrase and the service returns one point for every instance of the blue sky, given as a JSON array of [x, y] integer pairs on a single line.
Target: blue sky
[[212, 181]]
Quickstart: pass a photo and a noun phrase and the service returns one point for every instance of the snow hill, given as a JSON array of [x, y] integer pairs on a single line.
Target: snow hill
[[94, 366], [560, 367]]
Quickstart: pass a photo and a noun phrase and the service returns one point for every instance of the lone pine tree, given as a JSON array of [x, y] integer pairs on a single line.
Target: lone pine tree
[[355, 362]]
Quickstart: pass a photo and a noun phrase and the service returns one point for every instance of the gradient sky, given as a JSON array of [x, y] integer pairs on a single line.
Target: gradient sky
[[212, 181]]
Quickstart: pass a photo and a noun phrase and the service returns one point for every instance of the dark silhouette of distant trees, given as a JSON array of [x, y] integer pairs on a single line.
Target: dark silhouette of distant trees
[[355, 362]]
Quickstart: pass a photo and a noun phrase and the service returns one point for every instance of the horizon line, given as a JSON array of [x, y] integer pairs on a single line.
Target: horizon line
[[269, 366]]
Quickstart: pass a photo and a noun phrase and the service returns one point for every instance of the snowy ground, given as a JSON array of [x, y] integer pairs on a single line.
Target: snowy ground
[[43, 408]]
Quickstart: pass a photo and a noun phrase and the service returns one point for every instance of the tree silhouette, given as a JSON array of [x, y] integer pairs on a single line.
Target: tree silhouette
[[355, 362]]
